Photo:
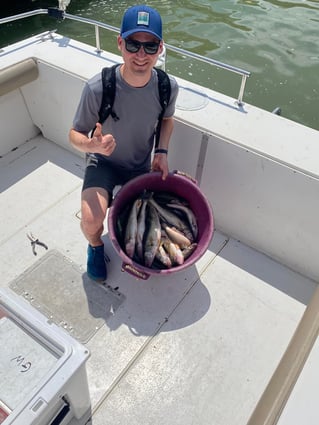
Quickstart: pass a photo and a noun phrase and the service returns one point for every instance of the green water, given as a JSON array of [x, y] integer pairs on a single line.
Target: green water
[[277, 41]]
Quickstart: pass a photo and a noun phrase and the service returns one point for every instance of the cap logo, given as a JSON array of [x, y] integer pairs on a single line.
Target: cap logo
[[143, 18]]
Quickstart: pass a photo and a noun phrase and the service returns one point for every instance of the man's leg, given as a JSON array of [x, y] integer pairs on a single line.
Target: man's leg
[[94, 204]]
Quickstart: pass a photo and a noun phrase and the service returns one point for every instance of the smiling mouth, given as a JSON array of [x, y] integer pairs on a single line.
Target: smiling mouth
[[140, 64]]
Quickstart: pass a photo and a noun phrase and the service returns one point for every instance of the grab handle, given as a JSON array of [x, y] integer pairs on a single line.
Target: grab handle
[[183, 174], [129, 268]]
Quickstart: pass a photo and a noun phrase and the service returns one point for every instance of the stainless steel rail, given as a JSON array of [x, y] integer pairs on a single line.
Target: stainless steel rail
[[62, 15], [23, 15]]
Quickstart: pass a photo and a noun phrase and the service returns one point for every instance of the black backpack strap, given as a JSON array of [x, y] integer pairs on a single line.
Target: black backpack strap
[[109, 87], [108, 96], [164, 89]]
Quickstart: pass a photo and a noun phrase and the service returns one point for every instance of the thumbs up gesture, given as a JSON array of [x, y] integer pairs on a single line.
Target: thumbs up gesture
[[103, 144]]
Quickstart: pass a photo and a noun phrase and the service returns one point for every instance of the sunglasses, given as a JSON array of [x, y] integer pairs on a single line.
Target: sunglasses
[[133, 46]]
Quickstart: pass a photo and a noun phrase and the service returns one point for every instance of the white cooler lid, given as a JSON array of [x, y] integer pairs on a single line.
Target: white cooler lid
[[24, 361]]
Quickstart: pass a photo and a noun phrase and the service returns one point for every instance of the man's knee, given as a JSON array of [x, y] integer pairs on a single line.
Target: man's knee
[[92, 222], [93, 209]]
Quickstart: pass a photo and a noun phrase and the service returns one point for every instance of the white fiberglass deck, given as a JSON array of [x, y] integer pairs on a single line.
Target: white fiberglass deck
[[197, 347]]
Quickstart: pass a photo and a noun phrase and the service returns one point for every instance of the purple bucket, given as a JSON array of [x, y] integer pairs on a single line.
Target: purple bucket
[[179, 184]]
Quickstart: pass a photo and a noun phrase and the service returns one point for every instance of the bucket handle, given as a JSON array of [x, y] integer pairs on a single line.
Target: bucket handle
[[183, 174], [129, 268]]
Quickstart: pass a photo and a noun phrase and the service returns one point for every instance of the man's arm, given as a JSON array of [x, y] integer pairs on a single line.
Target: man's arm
[[160, 162], [99, 143], [166, 132]]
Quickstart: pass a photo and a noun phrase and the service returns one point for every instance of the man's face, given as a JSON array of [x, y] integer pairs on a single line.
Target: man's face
[[140, 62]]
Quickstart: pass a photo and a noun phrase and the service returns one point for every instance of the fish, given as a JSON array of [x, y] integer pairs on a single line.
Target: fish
[[172, 219], [164, 198], [152, 236], [173, 250], [188, 214], [121, 222], [141, 229], [176, 236], [188, 251], [163, 257], [131, 229]]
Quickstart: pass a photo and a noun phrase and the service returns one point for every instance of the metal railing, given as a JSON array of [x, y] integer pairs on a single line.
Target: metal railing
[[61, 15]]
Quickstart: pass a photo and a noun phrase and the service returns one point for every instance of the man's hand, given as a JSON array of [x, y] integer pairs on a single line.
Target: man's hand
[[103, 144], [160, 164]]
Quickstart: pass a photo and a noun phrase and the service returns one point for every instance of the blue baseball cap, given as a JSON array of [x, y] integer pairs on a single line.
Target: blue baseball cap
[[141, 18]]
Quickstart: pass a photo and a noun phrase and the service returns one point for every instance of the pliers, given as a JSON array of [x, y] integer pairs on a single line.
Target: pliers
[[34, 242]]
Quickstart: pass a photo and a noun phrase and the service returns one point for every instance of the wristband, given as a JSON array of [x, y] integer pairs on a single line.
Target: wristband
[[158, 150]]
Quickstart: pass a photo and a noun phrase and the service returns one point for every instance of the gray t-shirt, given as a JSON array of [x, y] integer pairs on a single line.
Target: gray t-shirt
[[138, 109]]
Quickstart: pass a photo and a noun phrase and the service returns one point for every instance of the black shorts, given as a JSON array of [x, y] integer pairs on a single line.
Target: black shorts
[[100, 173]]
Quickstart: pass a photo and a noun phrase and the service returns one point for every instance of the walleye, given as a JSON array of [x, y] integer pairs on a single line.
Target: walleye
[[164, 198], [173, 251], [131, 229], [176, 236], [187, 252], [162, 256], [152, 236], [140, 230], [172, 219], [189, 215]]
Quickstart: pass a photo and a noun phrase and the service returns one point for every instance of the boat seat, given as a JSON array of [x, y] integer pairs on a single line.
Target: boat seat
[[17, 75]]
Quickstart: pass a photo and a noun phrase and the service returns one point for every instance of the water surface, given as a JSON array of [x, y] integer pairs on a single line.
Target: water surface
[[277, 41]]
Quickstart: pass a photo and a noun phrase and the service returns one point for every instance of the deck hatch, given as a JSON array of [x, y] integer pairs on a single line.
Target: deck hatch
[[61, 290]]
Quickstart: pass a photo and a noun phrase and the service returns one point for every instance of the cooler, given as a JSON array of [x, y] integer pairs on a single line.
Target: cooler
[[42, 368]]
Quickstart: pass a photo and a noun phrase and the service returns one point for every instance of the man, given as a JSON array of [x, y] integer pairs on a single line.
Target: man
[[121, 149]]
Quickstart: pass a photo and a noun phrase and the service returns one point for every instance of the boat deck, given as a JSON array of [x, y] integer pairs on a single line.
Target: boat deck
[[195, 347]]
